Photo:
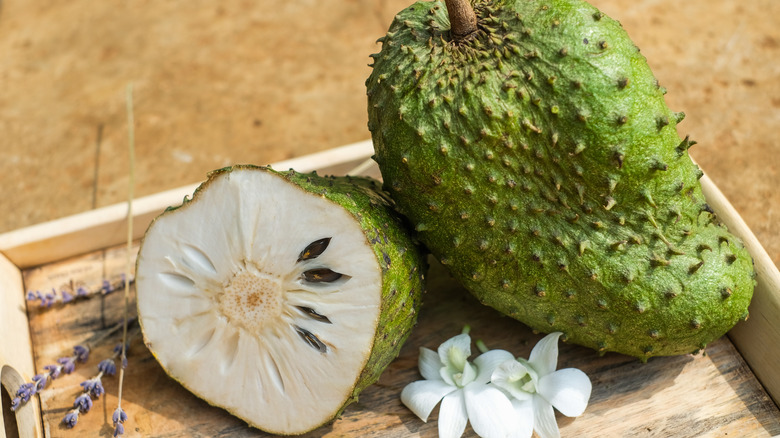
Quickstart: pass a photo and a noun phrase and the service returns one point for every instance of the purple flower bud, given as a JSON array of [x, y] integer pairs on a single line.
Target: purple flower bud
[[25, 391], [119, 429], [118, 348], [81, 352], [107, 288], [16, 403], [119, 416], [83, 402], [107, 366], [124, 362], [94, 387], [66, 296], [31, 296], [40, 381], [81, 291], [51, 297], [53, 370], [71, 418], [67, 364]]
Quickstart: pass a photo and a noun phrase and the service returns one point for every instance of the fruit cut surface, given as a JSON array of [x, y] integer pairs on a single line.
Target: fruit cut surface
[[262, 298]]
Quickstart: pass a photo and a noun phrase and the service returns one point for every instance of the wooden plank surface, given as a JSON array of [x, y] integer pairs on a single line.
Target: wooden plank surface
[[714, 394], [16, 362]]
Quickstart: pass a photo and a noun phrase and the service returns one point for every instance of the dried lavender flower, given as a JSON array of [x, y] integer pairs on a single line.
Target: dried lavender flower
[[81, 352], [67, 297], [53, 370], [81, 291], [107, 287], [71, 418], [94, 386], [119, 417], [49, 298], [119, 429], [25, 391], [107, 366], [83, 402], [40, 381]]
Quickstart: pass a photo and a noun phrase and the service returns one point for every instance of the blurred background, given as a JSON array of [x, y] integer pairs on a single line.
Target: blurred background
[[235, 81]]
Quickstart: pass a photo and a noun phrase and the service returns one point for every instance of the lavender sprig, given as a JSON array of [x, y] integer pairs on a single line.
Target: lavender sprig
[[119, 417], [69, 294], [39, 381], [93, 388]]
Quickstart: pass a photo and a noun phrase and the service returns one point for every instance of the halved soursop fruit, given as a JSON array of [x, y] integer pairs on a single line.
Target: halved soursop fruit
[[278, 296]]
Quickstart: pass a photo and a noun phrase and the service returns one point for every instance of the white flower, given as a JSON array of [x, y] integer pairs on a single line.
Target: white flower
[[463, 389], [536, 387]]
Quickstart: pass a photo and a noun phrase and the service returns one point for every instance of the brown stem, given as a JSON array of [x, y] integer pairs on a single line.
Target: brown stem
[[463, 20]]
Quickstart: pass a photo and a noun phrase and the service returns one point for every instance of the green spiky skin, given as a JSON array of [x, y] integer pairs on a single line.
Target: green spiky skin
[[539, 162]]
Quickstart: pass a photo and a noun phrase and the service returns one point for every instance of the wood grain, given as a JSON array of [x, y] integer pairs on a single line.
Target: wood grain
[[714, 394], [16, 364]]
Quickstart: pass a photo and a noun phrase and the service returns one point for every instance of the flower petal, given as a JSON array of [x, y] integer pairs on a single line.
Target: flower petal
[[489, 411], [429, 364], [452, 415], [544, 356], [568, 390], [462, 342], [423, 395], [487, 362], [509, 376], [544, 419], [524, 418]]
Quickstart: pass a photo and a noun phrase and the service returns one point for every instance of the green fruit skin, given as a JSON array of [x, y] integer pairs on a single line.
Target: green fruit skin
[[540, 163], [403, 260]]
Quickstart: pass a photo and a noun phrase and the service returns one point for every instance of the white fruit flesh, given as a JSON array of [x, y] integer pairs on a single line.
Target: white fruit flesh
[[232, 311]]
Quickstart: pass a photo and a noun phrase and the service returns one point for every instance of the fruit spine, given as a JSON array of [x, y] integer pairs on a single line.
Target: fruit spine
[[538, 161]]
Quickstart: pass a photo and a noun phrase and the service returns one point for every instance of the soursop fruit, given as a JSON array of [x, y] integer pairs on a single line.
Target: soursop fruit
[[532, 149], [278, 296]]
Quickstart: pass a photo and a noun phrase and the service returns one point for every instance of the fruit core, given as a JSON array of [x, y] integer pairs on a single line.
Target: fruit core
[[251, 298]]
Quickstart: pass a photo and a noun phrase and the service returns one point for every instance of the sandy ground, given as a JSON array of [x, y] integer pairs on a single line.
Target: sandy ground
[[217, 83]]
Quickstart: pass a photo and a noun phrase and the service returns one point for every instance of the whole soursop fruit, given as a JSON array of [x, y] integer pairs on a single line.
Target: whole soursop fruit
[[278, 296], [531, 147]]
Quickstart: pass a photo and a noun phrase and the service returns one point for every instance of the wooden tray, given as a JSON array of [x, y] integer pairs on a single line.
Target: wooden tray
[[727, 391]]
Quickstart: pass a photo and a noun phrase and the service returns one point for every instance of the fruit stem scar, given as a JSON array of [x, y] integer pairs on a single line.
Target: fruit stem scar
[[463, 20]]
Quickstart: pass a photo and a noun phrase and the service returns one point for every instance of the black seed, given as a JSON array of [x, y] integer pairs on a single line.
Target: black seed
[[321, 275], [313, 341], [314, 249], [313, 314]]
